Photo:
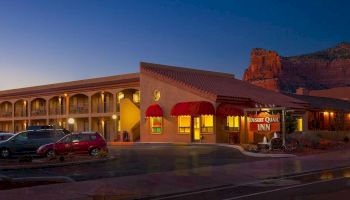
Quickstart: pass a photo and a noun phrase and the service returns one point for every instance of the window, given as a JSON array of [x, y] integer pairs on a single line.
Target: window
[[156, 124], [136, 97], [22, 137], [184, 124], [35, 135], [93, 137], [85, 137], [299, 124], [66, 139], [233, 123], [207, 124]]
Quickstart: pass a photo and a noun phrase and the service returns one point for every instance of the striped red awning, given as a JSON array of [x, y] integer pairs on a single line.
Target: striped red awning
[[228, 109], [194, 108], [154, 111]]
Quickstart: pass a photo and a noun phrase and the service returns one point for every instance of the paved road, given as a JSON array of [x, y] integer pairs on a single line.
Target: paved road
[[142, 159], [322, 185]]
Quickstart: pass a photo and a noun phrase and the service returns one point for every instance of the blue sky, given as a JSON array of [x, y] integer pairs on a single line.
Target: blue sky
[[52, 41]]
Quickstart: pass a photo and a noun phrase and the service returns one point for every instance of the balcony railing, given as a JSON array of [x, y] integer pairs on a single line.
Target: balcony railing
[[79, 109], [108, 108], [20, 113], [58, 111], [5, 114], [39, 112]]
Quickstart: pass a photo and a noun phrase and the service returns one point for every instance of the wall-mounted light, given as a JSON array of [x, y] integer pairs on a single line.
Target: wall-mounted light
[[71, 121], [114, 116]]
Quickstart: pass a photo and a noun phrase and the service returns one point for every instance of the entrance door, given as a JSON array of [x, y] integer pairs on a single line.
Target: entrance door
[[196, 129]]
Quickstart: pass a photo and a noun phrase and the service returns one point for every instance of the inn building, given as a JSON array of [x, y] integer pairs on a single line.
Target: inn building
[[168, 104]]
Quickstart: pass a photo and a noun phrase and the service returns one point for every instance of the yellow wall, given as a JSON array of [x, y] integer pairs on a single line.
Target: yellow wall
[[129, 118]]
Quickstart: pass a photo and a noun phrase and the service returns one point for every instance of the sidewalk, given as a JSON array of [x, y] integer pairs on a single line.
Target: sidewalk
[[181, 180]]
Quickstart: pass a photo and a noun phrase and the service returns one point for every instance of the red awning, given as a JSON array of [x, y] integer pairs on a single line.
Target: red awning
[[194, 108], [228, 109], [154, 111]]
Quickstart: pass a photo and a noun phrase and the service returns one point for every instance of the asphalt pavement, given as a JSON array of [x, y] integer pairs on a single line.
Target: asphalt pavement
[[141, 159]]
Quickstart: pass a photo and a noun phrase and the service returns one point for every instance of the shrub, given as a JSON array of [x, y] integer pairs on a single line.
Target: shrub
[[250, 147], [346, 139]]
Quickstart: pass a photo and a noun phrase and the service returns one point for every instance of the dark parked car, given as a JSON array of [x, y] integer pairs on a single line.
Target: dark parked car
[[28, 142], [75, 143], [5, 136]]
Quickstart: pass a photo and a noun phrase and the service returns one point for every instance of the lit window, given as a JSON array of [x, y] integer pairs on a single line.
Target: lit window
[[136, 97], [233, 123], [299, 124], [184, 124], [156, 124], [207, 123], [120, 96]]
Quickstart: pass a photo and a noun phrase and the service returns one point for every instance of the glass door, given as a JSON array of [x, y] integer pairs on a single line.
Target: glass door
[[196, 128]]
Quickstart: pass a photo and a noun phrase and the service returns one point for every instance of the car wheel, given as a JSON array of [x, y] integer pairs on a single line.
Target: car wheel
[[50, 154], [94, 151], [5, 153]]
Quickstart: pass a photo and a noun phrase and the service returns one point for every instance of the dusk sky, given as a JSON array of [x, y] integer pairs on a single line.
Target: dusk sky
[[54, 41]]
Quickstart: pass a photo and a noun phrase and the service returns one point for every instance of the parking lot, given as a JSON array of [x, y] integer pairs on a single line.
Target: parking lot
[[142, 159]]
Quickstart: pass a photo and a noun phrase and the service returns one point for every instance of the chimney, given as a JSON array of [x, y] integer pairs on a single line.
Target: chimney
[[302, 91]]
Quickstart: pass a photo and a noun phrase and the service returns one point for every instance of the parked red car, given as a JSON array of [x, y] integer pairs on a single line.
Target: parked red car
[[75, 143]]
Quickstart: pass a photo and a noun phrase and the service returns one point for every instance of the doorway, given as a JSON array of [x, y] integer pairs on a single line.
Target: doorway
[[196, 129]]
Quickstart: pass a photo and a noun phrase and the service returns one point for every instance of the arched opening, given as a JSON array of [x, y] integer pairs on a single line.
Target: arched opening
[[6, 109], [38, 107], [21, 108], [57, 105], [79, 104], [101, 102]]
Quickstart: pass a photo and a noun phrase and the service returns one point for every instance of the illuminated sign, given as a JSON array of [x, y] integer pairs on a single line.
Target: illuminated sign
[[265, 122]]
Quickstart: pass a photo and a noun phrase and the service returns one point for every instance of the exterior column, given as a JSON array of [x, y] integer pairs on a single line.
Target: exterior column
[[284, 127], [47, 111], [114, 136], [245, 128], [103, 102], [13, 117], [29, 112], [90, 120], [67, 110]]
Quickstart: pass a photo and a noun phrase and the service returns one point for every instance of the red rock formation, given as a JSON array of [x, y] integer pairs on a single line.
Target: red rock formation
[[321, 70]]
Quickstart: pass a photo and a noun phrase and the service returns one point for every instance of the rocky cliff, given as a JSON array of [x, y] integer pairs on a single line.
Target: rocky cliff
[[320, 70]]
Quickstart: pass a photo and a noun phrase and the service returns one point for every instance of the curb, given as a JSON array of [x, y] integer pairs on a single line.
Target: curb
[[258, 155], [237, 147], [16, 167]]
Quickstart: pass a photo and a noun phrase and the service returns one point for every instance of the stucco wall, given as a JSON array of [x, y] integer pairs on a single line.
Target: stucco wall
[[170, 95]]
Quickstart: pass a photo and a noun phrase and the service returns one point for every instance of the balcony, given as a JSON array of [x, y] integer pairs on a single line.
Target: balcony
[[79, 109], [20, 113], [100, 108], [5, 114], [38, 112], [58, 111]]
